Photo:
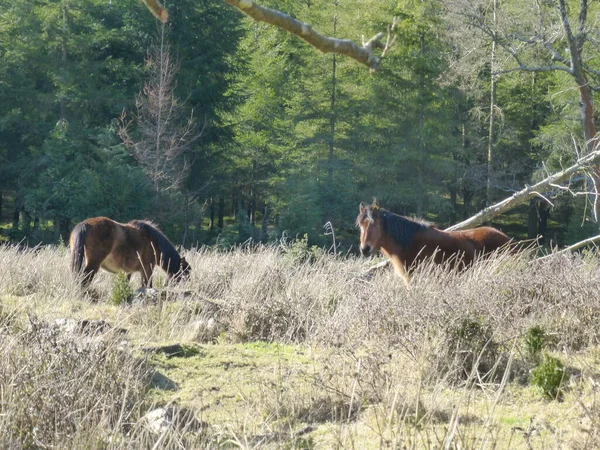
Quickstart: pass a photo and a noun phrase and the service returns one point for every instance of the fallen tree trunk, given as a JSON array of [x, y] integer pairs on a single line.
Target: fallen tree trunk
[[530, 191], [575, 246]]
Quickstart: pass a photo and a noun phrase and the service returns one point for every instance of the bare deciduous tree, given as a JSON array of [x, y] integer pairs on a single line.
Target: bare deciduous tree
[[547, 36], [163, 137]]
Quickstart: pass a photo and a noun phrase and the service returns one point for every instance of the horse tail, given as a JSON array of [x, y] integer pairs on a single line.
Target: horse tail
[[77, 243], [168, 257]]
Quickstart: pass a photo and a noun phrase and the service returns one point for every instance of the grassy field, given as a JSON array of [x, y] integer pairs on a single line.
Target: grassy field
[[288, 348]]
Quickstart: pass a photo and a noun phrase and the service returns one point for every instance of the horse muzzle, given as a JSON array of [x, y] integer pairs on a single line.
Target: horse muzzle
[[365, 250]]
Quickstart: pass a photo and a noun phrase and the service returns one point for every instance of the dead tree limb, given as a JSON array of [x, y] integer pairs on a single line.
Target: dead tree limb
[[364, 54], [575, 246], [525, 194], [518, 198]]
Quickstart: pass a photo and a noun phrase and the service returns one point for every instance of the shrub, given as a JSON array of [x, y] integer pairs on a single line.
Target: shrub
[[470, 346], [60, 388], [121, 290], [273, 321], [550, 377], [535, 341], [299, 251]]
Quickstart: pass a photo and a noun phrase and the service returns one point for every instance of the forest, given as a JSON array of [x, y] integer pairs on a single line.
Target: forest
[[224, 130]]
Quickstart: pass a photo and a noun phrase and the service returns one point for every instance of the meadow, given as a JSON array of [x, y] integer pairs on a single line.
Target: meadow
[[288, 347]]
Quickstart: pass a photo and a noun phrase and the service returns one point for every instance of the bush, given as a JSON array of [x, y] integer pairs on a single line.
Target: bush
[[535, 341], [471, 346], [299, 252], [121, 290], [550, 376], [61, 389]]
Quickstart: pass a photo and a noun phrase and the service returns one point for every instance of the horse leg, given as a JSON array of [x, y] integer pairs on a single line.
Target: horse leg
[[400, 269], [146, 273], [88, 275], [92, 265]]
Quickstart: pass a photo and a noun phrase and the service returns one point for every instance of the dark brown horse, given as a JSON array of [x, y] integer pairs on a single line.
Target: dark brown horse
[[136, 246], [407, 242]]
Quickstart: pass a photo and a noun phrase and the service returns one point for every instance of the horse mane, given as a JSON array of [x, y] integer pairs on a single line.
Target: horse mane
[[169, 258], [400, 228]]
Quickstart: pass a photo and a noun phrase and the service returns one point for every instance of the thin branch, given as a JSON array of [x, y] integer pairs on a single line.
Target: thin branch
[[525, 194], [363, 54], [575, 246]]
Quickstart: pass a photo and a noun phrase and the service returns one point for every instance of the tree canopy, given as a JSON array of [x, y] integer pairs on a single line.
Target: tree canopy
[[285, 138]]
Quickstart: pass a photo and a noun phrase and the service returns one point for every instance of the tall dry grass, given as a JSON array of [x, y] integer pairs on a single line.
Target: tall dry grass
[[397, 367]]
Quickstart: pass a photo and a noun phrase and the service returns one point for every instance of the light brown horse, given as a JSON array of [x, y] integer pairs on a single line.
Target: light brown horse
[[136, 246], [407, 242]]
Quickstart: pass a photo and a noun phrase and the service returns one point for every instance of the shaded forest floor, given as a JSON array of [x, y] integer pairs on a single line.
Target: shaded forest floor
[[288, 348]]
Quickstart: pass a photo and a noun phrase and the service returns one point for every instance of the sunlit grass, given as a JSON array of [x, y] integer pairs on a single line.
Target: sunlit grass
[[283, 351]]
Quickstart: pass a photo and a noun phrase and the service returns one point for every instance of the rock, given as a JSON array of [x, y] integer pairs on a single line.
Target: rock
[[168, 350], [145, 296], [161, 420], [86, 326], [158, 420]]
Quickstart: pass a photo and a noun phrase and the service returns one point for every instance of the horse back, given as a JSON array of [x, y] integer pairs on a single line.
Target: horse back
[[486, 239], [441, 245], [103, 236]]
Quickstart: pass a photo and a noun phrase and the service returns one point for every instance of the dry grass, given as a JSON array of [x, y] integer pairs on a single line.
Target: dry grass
[[292, 350]]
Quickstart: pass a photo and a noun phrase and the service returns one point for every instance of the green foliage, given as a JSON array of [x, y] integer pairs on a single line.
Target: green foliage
[[550, 377], [535, 341], [296, 137], [122, 291], [298, 251]]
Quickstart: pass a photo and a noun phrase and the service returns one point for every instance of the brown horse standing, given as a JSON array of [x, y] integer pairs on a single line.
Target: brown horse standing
[[407, 241], [136, 246]]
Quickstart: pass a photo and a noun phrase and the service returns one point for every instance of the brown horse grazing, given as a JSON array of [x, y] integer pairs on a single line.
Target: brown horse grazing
[[136, 246], [407, 241]]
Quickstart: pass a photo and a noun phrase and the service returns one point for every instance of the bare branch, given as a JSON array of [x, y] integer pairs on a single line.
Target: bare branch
[[363, 54], [575, 246], [525, 194], [157, 10]]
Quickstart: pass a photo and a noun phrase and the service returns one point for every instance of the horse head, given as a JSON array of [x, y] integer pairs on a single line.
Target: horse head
[[184, 271], [371, 228]]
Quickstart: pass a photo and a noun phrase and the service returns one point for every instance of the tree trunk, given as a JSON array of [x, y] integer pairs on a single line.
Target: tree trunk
[[26, 219], [251, 210], [492, 123], [422, 146], [543, 211], [211, 225], [532, 219], [16, 214], [221, 213], [453, 198], [467, 199], [186, 224], [63, 64], [363, 54], [527, 193], [264, 234]]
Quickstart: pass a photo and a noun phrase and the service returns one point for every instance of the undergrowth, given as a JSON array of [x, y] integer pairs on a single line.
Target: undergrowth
[[434, 365]]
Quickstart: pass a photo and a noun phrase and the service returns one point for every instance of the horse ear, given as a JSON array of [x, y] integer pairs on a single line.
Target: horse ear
[[361, 207], [375, 204]]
